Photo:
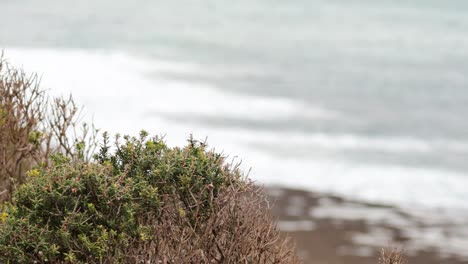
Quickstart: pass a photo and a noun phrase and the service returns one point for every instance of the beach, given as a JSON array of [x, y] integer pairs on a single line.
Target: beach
[[355, 111], [330, 229]]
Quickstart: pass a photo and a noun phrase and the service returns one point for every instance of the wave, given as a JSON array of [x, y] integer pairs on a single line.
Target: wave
[[141, 80], [407, 187], [391, 144]]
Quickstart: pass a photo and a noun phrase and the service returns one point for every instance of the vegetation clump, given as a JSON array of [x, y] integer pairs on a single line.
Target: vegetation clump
[[140, 202], [34, 126], [392, 256]]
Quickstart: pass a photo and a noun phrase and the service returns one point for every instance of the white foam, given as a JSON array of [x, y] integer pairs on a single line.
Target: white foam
[[296, 226], [208, 101], [403, 186], [351, 142], [353, 212], [138, 83]]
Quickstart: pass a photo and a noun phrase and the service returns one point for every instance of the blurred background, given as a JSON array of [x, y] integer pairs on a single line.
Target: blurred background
[[360, 103]]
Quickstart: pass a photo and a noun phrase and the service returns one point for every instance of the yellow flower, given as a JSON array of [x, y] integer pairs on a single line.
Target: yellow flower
[[3, 216], [33, 173], [181, 212], [144, 236]]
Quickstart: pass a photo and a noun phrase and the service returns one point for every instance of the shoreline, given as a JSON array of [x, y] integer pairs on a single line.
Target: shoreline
[[331, 229]]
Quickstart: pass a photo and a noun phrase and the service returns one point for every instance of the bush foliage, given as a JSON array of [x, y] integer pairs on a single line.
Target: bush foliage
[[143, 202], [33, 126]]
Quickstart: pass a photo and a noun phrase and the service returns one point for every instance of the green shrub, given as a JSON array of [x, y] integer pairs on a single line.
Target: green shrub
[[140, 202]]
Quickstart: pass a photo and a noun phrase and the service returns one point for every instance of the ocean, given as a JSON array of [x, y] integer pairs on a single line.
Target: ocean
[[365, 99]]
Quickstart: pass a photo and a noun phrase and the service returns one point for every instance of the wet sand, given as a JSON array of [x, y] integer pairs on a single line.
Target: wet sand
[[332, 230]]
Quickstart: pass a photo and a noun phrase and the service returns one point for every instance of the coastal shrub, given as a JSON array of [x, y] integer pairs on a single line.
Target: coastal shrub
[[141, 201], [33, 126], [392, 256]]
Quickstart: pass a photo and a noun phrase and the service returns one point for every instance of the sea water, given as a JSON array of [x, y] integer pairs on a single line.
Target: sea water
[[366, 99]]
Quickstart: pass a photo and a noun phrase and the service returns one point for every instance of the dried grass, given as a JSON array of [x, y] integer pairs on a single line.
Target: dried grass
[[392, 256]]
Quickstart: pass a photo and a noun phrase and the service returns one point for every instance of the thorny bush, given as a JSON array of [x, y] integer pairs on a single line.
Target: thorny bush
[[141, 202]]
